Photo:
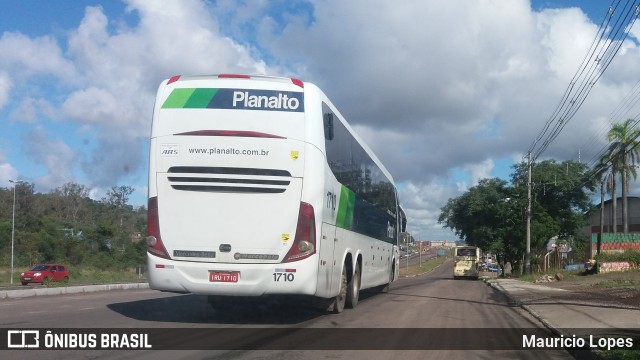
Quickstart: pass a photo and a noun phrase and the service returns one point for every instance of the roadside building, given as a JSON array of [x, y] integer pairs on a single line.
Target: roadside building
[[634, 216], [618, 242]]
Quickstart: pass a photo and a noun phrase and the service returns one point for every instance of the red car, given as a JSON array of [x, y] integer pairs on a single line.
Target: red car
[[45, 273]]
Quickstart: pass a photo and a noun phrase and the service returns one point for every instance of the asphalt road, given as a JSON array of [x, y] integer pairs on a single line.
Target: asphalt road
[[413, 315]]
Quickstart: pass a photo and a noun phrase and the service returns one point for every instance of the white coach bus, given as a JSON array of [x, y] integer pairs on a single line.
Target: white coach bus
[[258, 186]]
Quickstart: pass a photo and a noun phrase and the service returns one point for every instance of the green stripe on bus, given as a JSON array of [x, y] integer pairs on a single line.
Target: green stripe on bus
[[344, 218], [190, 98], [200, 98], [350, 209], [177, 98]]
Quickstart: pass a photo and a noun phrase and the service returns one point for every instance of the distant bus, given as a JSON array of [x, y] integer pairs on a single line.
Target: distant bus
[[466, 260], [258, 186]]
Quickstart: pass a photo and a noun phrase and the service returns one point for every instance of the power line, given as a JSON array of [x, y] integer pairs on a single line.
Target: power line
[[604, 57], [569, 89], [617, 114], [600, 55], [620, 112]]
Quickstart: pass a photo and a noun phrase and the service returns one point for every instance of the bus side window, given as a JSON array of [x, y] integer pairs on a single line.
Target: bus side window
[[328, 126]]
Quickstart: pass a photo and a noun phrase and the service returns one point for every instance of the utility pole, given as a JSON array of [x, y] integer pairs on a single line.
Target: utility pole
[[13, 221], [527, 258]]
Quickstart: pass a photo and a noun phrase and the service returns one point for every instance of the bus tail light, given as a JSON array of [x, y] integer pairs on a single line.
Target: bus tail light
[[173, 79], [154, 241], [297, 82], [304, 244]]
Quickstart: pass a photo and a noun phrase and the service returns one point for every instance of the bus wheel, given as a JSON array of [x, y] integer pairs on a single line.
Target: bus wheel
[[353, 289], [340, 300]]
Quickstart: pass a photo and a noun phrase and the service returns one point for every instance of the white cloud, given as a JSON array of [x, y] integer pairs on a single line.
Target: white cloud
[[115, 154], [7, 172], [122, 71], [97, 106], [111, 75], [479, 171], [172, 37], [421, 203], [566, 35], [24, 57], [430, 86], [482, 92], [30, 110], [5, 88], [55, 155]]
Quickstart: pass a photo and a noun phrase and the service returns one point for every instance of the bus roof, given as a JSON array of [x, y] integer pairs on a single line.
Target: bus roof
[[284, 81], [235, 76]]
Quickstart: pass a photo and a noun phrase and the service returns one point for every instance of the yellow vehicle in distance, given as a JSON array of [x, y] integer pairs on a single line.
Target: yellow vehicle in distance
[[466, 262]]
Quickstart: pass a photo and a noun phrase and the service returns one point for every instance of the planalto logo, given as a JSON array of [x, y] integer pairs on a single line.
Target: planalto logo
[[280, 101], [240, 99]]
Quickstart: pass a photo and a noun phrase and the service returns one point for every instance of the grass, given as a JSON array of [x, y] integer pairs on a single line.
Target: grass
[[87, 275], [619, 283], [91, 275], [80, 275], [630, 354], [425, 267]]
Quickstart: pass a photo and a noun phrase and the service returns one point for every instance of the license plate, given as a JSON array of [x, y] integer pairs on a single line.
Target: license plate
[[224, 276], [27, 279]]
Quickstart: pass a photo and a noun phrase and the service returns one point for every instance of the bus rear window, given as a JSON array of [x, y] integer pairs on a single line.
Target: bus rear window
[[465, 252]]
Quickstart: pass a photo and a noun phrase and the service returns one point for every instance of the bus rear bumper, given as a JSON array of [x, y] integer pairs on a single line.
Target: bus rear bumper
[[465, 273], [252, 279]]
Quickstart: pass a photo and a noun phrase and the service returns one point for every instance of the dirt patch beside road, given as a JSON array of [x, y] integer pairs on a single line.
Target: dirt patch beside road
[[615, 288]]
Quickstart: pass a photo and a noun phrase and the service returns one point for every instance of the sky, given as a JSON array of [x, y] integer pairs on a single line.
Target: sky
[[445, 92]]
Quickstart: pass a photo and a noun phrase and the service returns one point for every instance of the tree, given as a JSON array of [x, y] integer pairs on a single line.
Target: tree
[[72, 201], [624, 150], [562, 191], [491, 214], [117, 199], [603, 173], [483, 215], [66, 225]]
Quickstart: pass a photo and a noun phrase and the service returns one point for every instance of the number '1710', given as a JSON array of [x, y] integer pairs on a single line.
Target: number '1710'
[[280, 276]]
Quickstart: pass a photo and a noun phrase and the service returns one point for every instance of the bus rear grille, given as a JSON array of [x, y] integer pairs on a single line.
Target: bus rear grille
[[227, 179]]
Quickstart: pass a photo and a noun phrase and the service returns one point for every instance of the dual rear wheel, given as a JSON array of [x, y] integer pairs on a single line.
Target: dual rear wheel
[[349, 291]]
